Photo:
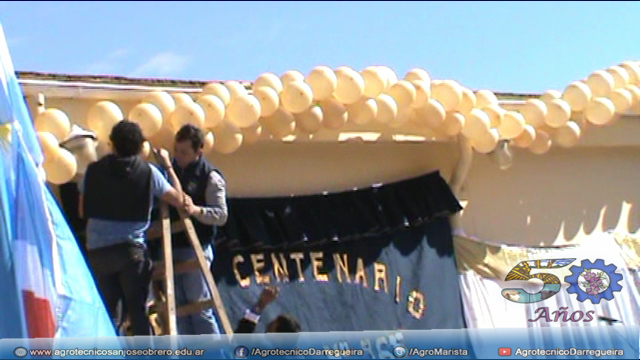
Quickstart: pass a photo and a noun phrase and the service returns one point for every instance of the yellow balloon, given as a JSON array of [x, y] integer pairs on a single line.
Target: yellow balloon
[[541, 144], [484, 98], [389, 75], [235, 89], [269, 100], [448, 93], [600, 83], [181, 98], [404, 93], [423, 93], [310, 120], [387, 109], [163, 101], [534, 112], [296, 96], [164, 139], [281, 124], [432, 115], [477, 123], [209, 142], [62, 169], [567, 135], [252, 134], [622, 100], [633, 70], [187, 113], [363, 111], [577, 95], [620, 76], [496, 113], [49, 145], [349, 86], [219, 90], [486, 142], [228, 138], [526, 137], [558, 113], [269, 80], [102, 117], [635, 94], [323, 82], [214, 110], [550, 95], [334, 114], [148, 116], [374, 81], [418, 74], [145, 153], [291, 76], [600, 111], [54, 121], [512, 125], [453, 123], [402, 118], [243, 110], [467, 101]]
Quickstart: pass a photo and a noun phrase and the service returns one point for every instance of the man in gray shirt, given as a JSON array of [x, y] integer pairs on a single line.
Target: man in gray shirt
[[206, 190]]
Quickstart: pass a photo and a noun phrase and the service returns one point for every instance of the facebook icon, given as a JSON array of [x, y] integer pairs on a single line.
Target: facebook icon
[[241, 352]]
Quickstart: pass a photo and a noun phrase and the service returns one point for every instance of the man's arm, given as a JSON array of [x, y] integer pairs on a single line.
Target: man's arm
[[216, 212], [81, 197], [247, 324]]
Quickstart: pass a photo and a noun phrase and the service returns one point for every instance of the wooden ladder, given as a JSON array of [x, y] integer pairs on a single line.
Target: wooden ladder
[[163, 272]]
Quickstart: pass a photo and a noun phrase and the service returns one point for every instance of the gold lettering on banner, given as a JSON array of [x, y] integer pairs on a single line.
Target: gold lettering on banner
[[316, 262], [341, 264], [361, 275], [244, 282], [380, 275], [398, 289], [298, 256], [416, 304], [280, 268], [258, 266]]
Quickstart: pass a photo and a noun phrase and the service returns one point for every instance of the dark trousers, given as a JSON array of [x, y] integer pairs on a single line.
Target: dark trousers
[[123, 274]]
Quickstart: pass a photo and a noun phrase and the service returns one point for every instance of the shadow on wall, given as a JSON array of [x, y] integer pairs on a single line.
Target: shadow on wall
[[556, 198]]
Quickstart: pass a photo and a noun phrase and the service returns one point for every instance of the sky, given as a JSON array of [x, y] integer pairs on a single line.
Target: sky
[[522, 47]]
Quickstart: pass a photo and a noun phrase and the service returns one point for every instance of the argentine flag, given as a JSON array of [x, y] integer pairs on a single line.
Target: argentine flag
[[47, 289]]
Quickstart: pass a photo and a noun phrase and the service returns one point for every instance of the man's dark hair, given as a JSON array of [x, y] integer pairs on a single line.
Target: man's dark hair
[[192, 134], [286, 324], [126, 138]]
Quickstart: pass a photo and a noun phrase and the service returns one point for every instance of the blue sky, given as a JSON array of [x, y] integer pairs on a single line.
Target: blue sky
[[502, 46]]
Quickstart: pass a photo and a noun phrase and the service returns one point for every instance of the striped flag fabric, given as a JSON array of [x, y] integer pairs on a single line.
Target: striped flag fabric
[[47, 288]]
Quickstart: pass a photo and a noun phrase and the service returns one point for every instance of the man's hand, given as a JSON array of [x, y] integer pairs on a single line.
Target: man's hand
[[162, 158], [188, 207], [269, 294]]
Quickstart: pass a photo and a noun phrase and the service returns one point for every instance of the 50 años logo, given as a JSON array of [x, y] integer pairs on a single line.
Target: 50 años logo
[[591, 281]]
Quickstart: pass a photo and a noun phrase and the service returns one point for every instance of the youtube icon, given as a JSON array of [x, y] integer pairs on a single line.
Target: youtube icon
[[504, 352]]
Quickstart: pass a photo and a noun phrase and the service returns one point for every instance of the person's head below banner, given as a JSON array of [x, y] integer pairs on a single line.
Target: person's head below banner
[[284, 324], [189, 145], [126, 139]]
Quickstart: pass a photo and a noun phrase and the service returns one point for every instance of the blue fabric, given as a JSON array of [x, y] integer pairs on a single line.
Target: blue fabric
[[191, 287], [102, 233], [30, 218], [12, 324]]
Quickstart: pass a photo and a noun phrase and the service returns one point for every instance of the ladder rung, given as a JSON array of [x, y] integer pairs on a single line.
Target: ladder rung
[[155, 230], [178, 268], [189, 309]]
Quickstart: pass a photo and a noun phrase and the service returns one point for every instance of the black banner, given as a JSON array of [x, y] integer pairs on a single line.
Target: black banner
[[403, 280]]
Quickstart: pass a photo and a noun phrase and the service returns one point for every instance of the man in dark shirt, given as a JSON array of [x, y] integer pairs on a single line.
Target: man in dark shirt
[[206, 194], [116, 199]]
